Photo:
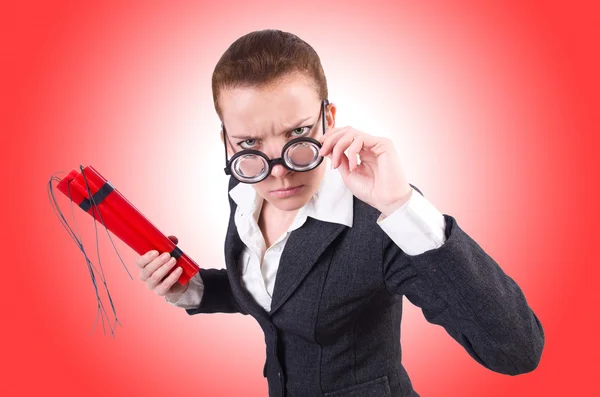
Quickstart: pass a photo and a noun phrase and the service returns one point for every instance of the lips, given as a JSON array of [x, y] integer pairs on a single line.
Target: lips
[[286, 193], [286, 189]]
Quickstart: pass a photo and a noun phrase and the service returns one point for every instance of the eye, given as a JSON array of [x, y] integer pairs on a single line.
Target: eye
[[296, 132], [249, 142]]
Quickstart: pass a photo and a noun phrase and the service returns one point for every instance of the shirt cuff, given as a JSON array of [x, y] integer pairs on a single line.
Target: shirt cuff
[[415, 227], [191, 297]]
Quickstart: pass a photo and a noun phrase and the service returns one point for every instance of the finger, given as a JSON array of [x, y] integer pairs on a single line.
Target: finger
[[340, 147], [143, 260], [174, 239], [353, 152], [151, 267], [329, 133], [343, 167], [331, 140], [375, 144], [168, 282], [160, 273]]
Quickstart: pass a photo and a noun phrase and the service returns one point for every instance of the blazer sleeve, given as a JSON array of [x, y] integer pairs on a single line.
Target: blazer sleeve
[[461, 288], [217, 296]]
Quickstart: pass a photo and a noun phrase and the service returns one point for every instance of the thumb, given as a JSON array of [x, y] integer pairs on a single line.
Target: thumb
[[174, 239]]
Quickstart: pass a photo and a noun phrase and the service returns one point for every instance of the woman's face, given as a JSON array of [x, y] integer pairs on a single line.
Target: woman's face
[[265, 119]]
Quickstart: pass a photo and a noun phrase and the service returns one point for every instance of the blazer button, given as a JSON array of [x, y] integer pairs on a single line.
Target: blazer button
[[279, 374]]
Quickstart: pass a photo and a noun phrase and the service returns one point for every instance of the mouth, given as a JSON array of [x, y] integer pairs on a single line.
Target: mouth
[[287, 192], [287, 189]]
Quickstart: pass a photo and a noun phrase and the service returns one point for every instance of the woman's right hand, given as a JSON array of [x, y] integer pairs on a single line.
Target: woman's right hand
[[155, 267]]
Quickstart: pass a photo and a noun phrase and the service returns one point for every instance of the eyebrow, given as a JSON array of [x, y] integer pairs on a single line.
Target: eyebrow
[[295, 125]]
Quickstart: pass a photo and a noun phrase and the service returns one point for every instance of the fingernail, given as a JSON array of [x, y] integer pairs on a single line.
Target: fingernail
[[153, 254], [164, 256], [179, 270]]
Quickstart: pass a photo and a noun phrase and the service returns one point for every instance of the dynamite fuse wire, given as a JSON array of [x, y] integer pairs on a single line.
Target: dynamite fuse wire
[[75, 235], [91, 268]]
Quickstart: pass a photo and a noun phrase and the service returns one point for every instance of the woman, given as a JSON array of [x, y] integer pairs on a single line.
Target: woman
[[322, 257]]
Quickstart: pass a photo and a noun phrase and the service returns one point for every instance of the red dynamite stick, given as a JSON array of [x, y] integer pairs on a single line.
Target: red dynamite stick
[[79, 184], [105, 214], [122, 219], [127, 210]]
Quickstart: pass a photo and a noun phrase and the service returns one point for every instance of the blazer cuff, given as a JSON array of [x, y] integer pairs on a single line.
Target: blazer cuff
[[191, 297], [416, 227]]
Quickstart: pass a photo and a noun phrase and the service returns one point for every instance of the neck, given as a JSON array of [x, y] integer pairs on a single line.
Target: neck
[[270, 212]]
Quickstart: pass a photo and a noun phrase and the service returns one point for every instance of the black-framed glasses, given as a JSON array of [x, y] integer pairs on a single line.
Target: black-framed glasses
[[252, 166]]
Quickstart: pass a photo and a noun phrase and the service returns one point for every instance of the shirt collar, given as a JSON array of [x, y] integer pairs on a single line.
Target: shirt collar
[[332, 202]]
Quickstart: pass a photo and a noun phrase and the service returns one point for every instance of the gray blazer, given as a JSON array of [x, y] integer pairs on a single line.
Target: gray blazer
[[334, 325]]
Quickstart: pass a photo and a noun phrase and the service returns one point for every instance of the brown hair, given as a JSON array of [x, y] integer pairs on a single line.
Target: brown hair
[[261, 57]]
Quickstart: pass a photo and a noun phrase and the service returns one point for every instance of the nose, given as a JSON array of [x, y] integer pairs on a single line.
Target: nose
[[279, 171], [273, 150]]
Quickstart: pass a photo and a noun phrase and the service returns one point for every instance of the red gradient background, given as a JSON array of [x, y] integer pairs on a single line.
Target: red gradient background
[[494, 109]]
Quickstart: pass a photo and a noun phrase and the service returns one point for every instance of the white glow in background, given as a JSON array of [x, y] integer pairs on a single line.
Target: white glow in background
[[470, 97]]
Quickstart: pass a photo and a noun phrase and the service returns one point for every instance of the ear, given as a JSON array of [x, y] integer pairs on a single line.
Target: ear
[[330, 111]]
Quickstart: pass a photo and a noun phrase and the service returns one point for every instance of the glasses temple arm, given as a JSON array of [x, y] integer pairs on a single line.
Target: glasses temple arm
[[225, 145], [324, 104]]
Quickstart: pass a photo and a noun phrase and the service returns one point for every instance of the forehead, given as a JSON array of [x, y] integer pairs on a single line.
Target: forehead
[[268, 109]]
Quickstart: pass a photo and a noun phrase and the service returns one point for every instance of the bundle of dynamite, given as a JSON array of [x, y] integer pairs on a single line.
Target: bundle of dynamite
[[96, 196]]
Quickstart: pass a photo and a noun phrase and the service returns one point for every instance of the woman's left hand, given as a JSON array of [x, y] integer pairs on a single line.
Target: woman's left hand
[[379, 179]]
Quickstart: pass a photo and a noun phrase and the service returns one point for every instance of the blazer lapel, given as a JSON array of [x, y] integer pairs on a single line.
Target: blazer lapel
[[233, 248], [302, 250]]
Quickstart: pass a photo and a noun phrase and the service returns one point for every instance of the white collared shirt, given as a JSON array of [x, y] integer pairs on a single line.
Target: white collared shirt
[[415, 227]]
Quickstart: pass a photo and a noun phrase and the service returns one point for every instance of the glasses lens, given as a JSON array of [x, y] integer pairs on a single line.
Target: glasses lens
[[302, 156], [249, 167]]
